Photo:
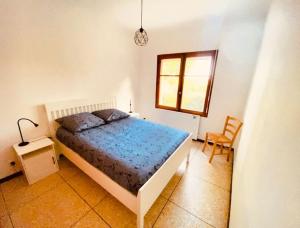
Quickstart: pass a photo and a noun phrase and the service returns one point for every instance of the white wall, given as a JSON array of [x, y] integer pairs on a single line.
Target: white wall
[[58, 50], [238, 39], [266, 180]]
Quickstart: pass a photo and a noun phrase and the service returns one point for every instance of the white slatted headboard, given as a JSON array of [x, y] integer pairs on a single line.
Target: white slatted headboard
[[64, 108]]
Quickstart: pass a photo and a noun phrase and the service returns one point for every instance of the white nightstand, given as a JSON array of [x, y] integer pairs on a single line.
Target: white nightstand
[[37, 158], [134, 114]]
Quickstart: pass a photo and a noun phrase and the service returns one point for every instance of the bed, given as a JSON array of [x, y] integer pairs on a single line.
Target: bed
[[133, 161]]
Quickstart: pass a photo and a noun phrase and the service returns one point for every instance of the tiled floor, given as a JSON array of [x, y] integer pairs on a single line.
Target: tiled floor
[[197, 196]]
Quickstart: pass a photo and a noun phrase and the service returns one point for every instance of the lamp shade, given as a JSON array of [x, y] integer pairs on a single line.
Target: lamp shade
[[141, 37]]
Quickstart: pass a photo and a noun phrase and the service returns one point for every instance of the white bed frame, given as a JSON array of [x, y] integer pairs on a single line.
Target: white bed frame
[[149, 192]]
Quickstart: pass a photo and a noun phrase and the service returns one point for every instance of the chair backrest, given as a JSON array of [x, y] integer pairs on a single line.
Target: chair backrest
[[232, 127]]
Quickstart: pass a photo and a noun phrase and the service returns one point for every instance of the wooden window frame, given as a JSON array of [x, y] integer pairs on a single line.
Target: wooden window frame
[[183, 56]]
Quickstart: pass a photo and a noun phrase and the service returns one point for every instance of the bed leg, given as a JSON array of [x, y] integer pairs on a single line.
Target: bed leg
[[140, 214], [140, 221]]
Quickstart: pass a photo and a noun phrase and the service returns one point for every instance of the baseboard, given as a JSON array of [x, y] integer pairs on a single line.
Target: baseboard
[[11, 177], [210, 143]]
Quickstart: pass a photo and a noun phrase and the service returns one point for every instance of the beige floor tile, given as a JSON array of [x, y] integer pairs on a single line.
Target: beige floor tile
[[2, 206], [88, 189], [200, 193], [219, 160], [60, 207], [14, 184], [67, 169], [5, 222], [91, 220], [171, 186], [202, 199], [17, 192], [173, 216], [117, 215], [218, 172], [174, 180], [154, 212]]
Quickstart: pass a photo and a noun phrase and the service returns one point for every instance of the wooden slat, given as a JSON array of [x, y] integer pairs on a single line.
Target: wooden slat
[[233, 118], [230, 131], [231, 125]]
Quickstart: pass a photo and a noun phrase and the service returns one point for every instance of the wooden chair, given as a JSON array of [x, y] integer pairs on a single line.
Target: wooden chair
[[231, 129]]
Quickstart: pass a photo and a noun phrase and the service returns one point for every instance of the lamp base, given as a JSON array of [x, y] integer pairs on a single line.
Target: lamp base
[[23, 143]]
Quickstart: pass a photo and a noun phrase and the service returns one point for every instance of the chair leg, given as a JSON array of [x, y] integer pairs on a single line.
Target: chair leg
[[213, 152], [205, 142], [229, 152], [222, 147]]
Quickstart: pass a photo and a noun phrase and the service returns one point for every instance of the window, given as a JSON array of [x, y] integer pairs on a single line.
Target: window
[[184, 81]]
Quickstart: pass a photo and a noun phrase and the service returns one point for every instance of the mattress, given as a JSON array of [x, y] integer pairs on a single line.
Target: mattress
[[129, 151]]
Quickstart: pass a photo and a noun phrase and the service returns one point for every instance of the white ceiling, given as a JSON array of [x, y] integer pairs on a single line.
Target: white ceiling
[[160, 13]]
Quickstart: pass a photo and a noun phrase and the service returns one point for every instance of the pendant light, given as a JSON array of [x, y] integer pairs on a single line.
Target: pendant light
[[140, 37]]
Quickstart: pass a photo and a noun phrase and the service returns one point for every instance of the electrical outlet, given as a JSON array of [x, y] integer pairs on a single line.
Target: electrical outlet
[[12, 163]]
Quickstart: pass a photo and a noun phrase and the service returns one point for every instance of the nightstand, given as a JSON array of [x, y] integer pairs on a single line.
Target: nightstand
[[134, 114], [38, 159]]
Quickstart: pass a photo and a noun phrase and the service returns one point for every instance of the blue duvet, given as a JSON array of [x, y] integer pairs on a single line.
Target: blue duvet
[[129, 151]]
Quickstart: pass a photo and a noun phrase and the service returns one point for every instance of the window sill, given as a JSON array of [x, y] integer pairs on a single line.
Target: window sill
[[202, 114]]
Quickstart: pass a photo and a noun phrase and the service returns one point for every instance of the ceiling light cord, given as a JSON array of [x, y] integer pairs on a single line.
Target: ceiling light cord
[[141, 13], [140, 36]]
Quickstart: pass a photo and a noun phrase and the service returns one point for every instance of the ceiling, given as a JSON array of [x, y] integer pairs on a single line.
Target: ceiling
[[161, 13]]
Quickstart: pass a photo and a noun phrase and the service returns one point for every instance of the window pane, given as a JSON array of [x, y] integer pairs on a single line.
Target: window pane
[[170, 66], [196, 76], [194, 93], [168, 90], [198, 66]]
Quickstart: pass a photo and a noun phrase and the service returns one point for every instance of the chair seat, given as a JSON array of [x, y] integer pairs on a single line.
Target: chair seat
[[218, 137]]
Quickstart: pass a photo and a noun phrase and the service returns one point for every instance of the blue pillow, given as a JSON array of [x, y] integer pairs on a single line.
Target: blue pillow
[[79, 122], [110, 115]]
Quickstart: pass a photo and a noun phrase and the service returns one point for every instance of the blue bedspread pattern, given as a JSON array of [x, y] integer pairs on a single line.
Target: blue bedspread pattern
[[129, 151]]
